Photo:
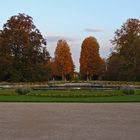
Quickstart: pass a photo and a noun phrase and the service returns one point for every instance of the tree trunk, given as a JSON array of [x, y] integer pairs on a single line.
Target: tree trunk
[[90, 77], [87, 77], [63, 77]]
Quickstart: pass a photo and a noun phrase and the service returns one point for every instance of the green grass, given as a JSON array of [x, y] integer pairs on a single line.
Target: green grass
[[11, 96], [23, 98], [7, 92]]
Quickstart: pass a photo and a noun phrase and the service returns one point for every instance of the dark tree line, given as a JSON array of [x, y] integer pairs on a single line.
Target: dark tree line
[[24, 56]]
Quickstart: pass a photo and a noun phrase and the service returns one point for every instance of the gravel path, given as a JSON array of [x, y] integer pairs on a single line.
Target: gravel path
[[66, 121]]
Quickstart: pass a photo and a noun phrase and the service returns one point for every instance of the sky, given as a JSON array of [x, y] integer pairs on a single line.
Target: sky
[[74, 20]]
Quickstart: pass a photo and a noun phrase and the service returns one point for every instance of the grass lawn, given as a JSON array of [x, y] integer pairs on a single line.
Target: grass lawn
[[24, 98], [11, 96]]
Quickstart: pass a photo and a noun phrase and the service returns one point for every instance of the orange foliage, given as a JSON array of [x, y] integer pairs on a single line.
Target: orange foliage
[[90, 59], [63, 64]]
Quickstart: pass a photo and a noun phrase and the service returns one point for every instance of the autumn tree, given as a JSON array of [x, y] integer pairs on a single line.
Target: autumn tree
[[25, 49], [127, 52], [63, 63], [90, 60]]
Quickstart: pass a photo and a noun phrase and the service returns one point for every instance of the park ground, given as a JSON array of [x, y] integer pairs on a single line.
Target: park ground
[[66, 121], [78, 96]]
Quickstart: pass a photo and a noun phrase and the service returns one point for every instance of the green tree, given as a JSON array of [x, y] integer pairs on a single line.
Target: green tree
[[90, 60], [127, 49], [25, 49], [115, 68]]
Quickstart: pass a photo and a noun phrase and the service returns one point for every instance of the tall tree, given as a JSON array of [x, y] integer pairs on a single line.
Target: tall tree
[[63, 62], [90, 60], [127, 49], [24, 44]]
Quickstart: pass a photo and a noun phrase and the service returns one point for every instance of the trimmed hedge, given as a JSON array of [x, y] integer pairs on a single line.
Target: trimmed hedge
[[76, 95], [128, 91], [22, 91]]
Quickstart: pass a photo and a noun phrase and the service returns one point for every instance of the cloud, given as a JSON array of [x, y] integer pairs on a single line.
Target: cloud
[[92, 30], [54, 38]]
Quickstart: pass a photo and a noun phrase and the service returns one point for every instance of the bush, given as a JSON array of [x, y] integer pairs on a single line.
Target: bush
[[22, 91], [128, 91]]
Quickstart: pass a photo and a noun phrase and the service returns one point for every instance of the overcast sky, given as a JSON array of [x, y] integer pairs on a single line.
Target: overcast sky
[[74, 20]]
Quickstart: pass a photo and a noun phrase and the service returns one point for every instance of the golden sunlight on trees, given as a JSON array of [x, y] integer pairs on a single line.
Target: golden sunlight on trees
[[63, 64], [90, 60], [25, 58]]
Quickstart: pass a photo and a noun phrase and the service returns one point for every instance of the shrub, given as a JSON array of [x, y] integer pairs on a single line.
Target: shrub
[[22, 91], [128, 91]]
